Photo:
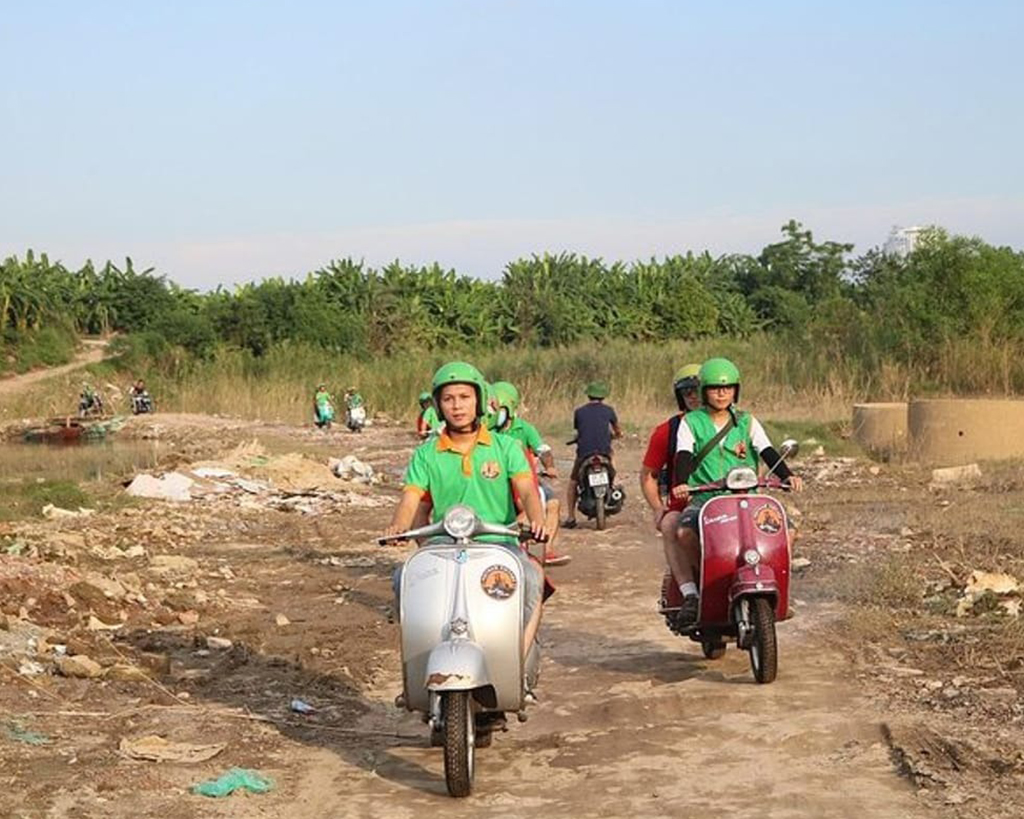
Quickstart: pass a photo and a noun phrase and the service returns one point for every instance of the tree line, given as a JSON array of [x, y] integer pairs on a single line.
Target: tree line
[[951, 293]]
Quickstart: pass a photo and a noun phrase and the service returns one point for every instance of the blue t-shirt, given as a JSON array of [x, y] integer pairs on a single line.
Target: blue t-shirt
[[593, 423]]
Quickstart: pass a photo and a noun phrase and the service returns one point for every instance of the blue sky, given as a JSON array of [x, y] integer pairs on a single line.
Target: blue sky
[[223, 141]]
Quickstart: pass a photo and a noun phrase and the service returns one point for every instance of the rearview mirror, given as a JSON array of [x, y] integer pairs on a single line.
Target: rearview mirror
[[790, 447]]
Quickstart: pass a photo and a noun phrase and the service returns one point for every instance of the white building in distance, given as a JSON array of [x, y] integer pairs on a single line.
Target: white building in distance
[[902, 241]]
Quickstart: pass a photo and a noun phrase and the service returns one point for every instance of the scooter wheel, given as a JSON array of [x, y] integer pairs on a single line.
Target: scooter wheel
[[599, 510], [713, 651], [459, 742], [764, 652]]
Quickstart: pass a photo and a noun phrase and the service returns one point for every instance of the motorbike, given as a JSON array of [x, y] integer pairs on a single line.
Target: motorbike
[[90, 404], [323, 414], [597, 494], [355, 418], [461, 615], [744, 569], [142, 403]]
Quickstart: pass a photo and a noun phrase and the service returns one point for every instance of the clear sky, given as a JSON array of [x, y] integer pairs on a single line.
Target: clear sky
[[224, 141]]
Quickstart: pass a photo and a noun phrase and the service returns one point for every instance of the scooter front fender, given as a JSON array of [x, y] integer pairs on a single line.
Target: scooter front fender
[[456, 665], [754, 580]]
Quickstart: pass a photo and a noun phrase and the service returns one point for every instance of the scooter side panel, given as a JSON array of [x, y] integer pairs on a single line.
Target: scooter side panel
[[730, 525], [494, 615]]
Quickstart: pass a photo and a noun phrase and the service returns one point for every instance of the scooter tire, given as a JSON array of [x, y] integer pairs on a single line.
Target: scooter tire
[[599, 512], [764, 652], [459, 742], [713, 651]]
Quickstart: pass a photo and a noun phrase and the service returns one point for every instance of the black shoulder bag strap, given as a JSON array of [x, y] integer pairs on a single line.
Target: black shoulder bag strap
[[715, 441]]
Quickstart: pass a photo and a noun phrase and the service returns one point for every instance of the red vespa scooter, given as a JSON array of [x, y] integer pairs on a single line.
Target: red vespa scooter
[[744, 569]]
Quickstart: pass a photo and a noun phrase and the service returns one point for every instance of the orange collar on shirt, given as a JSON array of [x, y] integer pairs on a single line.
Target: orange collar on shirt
[[446, 444]]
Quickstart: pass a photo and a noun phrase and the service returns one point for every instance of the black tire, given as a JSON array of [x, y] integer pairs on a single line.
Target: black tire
[[713, 651], [599, 511], [459, 742], [764, 653]]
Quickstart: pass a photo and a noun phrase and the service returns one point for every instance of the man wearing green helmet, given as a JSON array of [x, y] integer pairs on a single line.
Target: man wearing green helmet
[[710, 441], [596, 424], [469, 465], [509, 422], [427, 423], [656, 474]]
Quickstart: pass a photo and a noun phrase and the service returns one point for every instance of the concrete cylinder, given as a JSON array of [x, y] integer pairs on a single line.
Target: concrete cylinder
[[881, 428], [955, 431]]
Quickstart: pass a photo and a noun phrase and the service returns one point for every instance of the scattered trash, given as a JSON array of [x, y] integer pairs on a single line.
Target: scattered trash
[[954, 475], [51, 512], [95, 624], [800, 563], [350, 468], [31, 668], [233, 780], [172, 487], [300, 707], [212, 472], [281, 620], [157, 749], [15, 731], [989, 584], [219, 643]]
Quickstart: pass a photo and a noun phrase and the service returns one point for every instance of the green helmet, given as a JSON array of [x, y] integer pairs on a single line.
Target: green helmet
[[459, 372], [507, 395], [490, 407], [597, 389], [424, 397], [720, 372]]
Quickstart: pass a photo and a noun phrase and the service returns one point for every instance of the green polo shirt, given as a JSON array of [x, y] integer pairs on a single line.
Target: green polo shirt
[[479, 478], [526, 433], [430, 419]]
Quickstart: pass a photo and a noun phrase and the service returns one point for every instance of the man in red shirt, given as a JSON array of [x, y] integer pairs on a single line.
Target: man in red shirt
[[656, 473]]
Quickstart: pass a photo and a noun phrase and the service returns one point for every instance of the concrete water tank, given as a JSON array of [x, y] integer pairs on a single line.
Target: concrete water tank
[[957, 431], [881, 428]]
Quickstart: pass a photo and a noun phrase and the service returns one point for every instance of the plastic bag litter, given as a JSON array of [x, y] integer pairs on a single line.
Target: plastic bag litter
[[235, 779], [302, 707], [14, 730]]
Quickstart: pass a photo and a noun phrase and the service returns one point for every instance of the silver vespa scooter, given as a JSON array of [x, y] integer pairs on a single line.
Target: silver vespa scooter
[[461, 604]]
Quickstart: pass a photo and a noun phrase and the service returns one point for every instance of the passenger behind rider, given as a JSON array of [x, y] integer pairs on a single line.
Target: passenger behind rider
[[469, 465], [509, 422], [712, 440], [427, 422], [596, 424], [656, 473]]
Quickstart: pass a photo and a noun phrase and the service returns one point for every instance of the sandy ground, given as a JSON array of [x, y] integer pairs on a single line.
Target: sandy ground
[[632, 721]]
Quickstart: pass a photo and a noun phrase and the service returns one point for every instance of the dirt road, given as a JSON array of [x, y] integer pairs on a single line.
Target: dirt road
[[93, 351], [632, 720]]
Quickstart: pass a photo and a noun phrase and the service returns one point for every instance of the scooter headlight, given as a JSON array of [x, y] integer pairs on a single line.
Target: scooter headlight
[[460, 522], [751, 557], [741, 478]]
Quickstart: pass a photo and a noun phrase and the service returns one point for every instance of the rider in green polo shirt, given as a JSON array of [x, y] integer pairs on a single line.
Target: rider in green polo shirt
[[467, 464]]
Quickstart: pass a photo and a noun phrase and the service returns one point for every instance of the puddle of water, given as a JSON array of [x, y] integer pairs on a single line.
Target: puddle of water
[[105, 460]]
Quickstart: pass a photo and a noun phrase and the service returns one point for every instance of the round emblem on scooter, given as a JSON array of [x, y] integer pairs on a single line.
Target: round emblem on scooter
[[498, 582], [768, 520]]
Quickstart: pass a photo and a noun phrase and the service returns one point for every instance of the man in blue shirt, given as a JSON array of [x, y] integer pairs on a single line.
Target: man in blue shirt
[[596, 424]]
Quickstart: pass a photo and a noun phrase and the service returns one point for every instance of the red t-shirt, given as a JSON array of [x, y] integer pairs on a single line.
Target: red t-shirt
[[657, 457]]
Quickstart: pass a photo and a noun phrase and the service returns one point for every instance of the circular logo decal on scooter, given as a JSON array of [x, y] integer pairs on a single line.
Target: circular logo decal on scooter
[[768, 520], [498, 582]]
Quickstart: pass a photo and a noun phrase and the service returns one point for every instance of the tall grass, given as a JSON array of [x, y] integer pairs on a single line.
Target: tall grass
[[781, 378]]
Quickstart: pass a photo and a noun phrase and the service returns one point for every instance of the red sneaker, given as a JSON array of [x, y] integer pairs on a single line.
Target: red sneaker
[[555, 559]]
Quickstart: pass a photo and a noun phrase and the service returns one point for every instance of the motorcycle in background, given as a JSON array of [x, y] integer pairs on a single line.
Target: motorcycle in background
[[597, 494], [355, 418]]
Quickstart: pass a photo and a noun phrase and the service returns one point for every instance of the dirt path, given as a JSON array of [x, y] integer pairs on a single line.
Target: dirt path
[[93, 352], [632, 720]]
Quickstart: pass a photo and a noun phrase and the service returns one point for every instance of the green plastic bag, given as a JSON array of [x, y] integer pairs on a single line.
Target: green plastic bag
[[235, 779]]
